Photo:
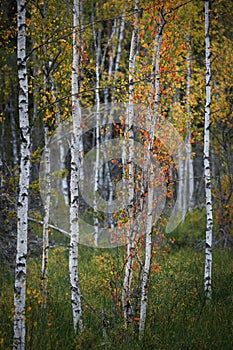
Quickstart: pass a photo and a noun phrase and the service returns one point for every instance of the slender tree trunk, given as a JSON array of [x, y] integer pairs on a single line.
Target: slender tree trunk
[[60, 145], [118, 53], [126, 300], [107, 181], [74, 179], [148, 235], [47, 189], [45, 247], [181, 200], [188, 168], [119, 46], [64, 182], [22, 207], [111, 62], [185, 169], [97, 37], [209, 213]]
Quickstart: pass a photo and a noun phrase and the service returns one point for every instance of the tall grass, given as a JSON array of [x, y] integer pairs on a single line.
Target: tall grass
[[178, 317]]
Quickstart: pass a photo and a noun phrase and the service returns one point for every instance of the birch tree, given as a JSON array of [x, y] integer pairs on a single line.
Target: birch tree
[[22, 206], [126, 302], [107, 181], [209, 214], [185, 169], [189, 175], [74, 178], [119, 46], [155, 88], [97, 37], [45, 247]]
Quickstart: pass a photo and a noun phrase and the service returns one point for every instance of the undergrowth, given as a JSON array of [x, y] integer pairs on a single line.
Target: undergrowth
[[177, 317]]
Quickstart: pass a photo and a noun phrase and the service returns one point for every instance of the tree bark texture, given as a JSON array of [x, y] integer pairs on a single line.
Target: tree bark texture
[[22, 205]]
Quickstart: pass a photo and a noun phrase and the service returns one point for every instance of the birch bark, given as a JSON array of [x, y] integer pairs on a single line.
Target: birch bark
[[74, 179], [126, 302], [148, 233], [45, 247], [209, 214], [118, 53], [62, 158], [107, 181], [22, 206], [64, 182], [97, 37]]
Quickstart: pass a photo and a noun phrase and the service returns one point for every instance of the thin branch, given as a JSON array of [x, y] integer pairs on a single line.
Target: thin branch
[[56, 228]]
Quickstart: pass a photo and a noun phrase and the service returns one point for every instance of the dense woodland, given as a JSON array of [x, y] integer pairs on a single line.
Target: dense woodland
[[116, 174]]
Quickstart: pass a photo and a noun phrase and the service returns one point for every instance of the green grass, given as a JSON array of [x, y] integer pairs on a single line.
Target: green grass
[[192, 230], [177, 316]]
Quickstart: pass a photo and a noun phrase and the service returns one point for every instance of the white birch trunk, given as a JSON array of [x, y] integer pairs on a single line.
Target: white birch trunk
[[118, 53], [188, 168], [209, 213], [47, 189], [181, 193], [188, 178], [22, 207], [119, 46], [62, 158], [185, 169], [45, 247], [126, 302], [97, 135], [74, 180], [107, 181], [148, 233], [189, 149], [111, 62], [64, 182]]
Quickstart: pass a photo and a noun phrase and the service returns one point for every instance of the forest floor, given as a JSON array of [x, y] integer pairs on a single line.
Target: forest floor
[[178, 317]]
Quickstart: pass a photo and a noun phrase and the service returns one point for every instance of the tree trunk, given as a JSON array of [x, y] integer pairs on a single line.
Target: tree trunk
[[147, 263], [209, 213], [22, 207], [45, 247], [126, 302], [119, 46], [188, 168], [97, 37], [74, 179], [47, 189]]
